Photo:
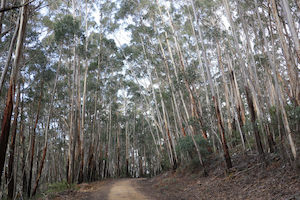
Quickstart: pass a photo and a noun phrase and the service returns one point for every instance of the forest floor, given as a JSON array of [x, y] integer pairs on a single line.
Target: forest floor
[[249, 179], [110, 189]]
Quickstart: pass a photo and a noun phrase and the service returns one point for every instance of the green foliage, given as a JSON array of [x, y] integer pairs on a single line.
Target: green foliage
[[66, 28], [235, 139], [293, 113], [165, 163], [55, 188], [126, 8], [186, 144]]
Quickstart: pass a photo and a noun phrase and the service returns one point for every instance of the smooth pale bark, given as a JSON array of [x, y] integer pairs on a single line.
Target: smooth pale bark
[[2, 6], [175, 122], [173, 61], [166, 122], [268, 84], [176, 74], [193, 103], [118, 149], [160, 122], [246, 79], [33, 142], [215, 100], [271, 60], [91, 171], [194, 107], [10, 51], [292, 70], [202, 69], [227, 99], [72, 143], [236, 118], [158, 111], [167, 129], [109, 135], [22, 144], [254, 125], [74, 110], [127, 148], [154, 140], [248, 86], [290, 21], [236, 92], [252, 68], [172, 87], [82, 131], [165, 126], [39, 174], [171, 84], [260, 109], [79, 153]]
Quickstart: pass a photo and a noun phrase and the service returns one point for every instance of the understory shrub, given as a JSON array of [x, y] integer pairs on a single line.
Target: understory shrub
[[186, 144]]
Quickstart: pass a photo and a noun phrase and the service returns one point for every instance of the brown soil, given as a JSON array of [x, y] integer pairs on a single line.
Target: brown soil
[[249, 179], [118, 189], [125, 190]]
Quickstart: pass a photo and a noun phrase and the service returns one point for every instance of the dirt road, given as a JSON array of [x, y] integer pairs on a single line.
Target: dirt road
[[125, 190], [119, 189]]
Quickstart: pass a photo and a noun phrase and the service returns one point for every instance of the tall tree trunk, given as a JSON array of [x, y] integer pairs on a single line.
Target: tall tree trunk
[[227, 96], [246, 79], [271, 60], [10, 51], [290, 21], [6, 120], [5, 127], [195, 109], [79, 155], [215, 100], [12, 148], [254, 125], [47, 127], [33, 142], [22, 143], [292, 70], [127, 148], [3, 2]]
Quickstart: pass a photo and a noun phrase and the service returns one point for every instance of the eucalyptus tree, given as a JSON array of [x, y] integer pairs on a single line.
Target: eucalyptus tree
[[197, 77], [209, 37], [6, 120]]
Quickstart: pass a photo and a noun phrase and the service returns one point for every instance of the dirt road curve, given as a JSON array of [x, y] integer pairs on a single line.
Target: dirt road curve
[[111, 189], [125, 190]]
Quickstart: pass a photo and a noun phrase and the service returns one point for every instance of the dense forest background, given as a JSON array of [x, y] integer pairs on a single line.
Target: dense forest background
[[198, 79]]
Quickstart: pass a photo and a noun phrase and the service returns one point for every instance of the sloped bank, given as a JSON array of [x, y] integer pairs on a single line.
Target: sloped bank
[[249, 179]]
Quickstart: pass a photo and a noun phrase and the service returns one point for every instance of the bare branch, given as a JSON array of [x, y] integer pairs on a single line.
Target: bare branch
[[15, 7]]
